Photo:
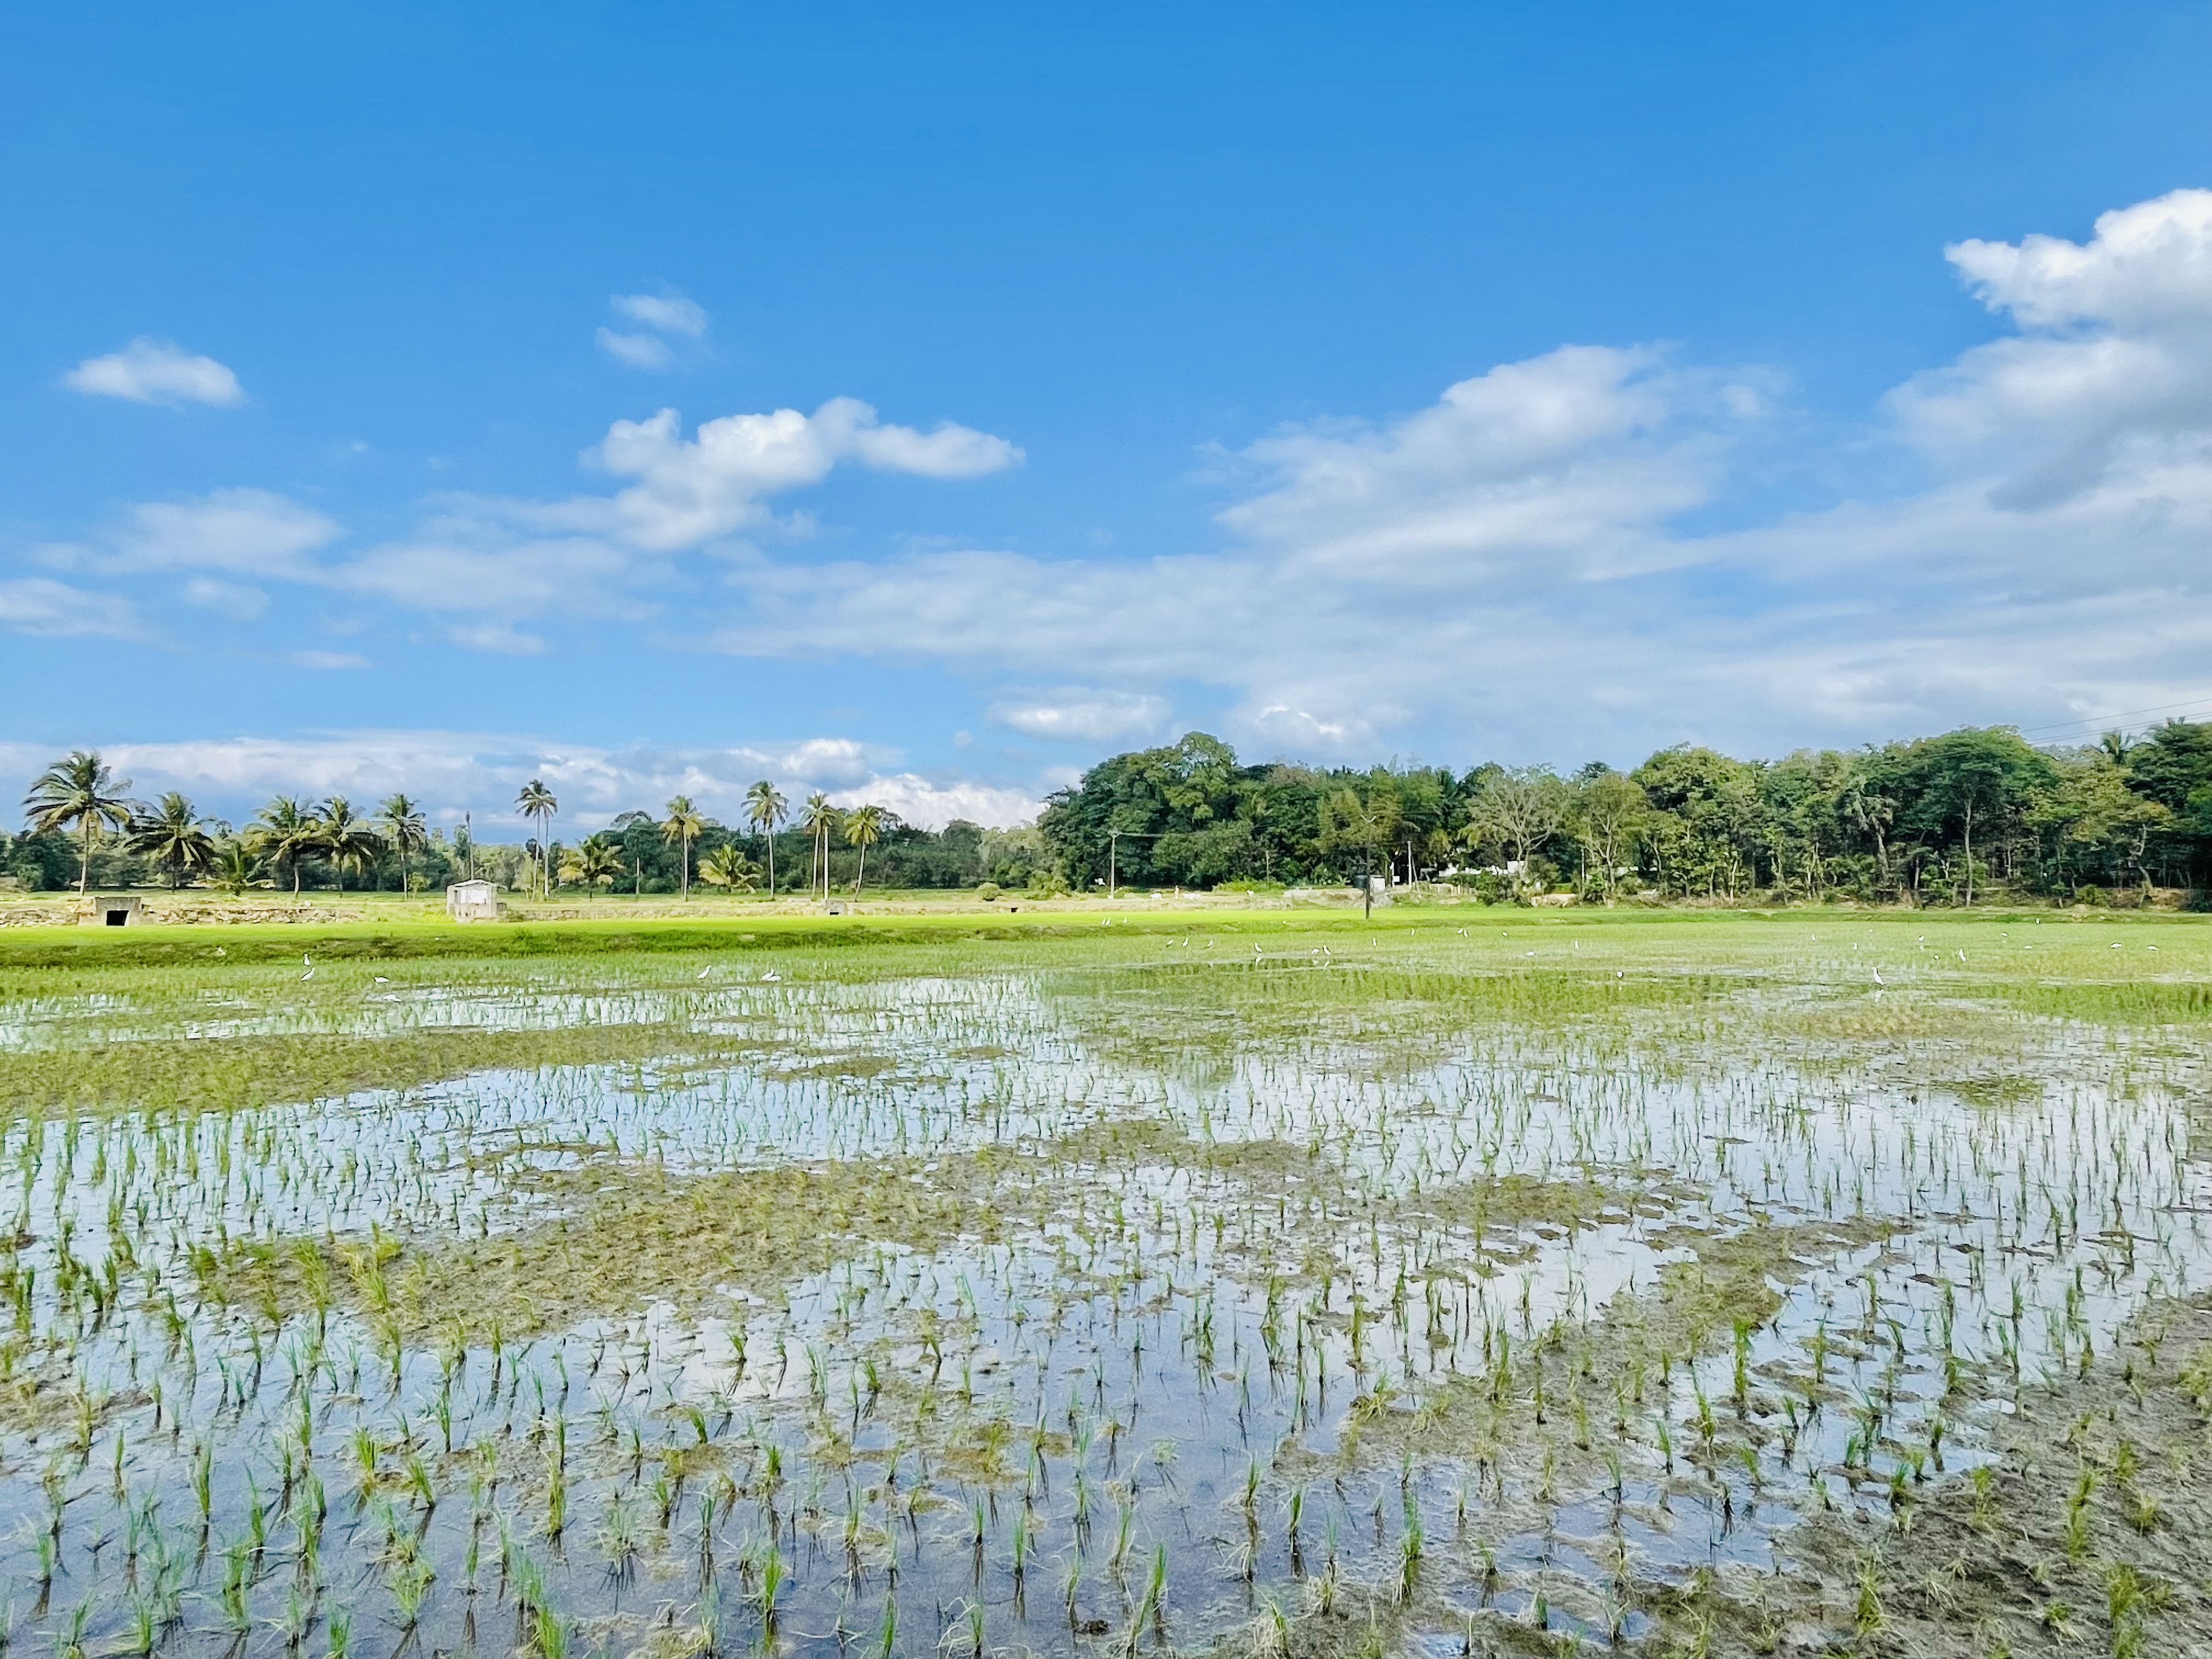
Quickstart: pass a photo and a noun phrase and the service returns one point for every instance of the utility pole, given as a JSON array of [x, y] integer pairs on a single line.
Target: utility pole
[[1112, 837]]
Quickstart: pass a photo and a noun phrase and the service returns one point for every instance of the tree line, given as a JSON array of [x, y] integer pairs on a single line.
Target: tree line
[[82, 828], [1975, 814]]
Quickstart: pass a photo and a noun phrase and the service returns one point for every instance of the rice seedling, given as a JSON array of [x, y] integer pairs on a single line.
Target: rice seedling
[[956, 1227]]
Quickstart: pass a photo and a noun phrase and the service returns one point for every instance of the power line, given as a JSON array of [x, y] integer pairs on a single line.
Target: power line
[[2092, 720]]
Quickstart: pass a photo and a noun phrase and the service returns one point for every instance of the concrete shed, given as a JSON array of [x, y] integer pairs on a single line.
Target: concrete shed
[[119, 910], [472, 901]]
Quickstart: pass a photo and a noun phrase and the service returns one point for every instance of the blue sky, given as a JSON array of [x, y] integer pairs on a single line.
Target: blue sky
[[1461, 382]]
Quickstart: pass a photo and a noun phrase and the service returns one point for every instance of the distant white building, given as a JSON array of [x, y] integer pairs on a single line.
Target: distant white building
[[472, 901]]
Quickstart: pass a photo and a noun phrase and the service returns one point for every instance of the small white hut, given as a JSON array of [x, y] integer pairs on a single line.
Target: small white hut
[[120, 911], [472, 901]]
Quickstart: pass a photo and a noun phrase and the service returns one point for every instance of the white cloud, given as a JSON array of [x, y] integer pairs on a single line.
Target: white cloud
[[638, 350], [2111, 370], [40, 605], [458, 564], [233, 599], [690, 490], [1563, 462], [1079, 715], [932, 806], [836, 760], [1525, 566], [324, 661], [598, 557], [503, 637], [247, 531], [671, 314], [156, 371], [453, 772], [1508, 570]]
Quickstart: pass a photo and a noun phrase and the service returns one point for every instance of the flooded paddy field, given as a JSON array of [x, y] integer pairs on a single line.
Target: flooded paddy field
[[1464, 1285]]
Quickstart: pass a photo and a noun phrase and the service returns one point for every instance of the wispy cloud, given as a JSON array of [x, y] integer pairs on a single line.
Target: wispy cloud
[[671, 314], [638, 350], [660, 314], [248, 531], [40, 605], [1080, 714], [151, 370]]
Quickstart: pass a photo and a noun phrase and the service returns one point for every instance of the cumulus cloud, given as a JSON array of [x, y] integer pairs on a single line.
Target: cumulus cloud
[[156, 371], [1562, 463], [670, 313], [688, 491], [40, 605], [1080, 714], [2111, 368]]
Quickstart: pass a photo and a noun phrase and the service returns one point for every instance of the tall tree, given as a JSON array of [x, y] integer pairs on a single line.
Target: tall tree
[[404, 829], [1976, 777], [1521, 809], [864, 827], [819, 819], [1868, 800], [84, 791], [346, 840], [174, 835], [284, 832], [680, 829], [537, 803], [766, 809], [1607, 808]]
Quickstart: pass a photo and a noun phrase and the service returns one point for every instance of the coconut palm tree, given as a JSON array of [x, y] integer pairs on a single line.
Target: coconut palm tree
[[283, 832], [535, 803], [680, 830], [347, 840], [174, 835], [593, 862], [236, 869], [819, 819], [403, 828], [728, 868], [82, 790], [863, 828], [766, 809]]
